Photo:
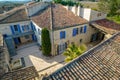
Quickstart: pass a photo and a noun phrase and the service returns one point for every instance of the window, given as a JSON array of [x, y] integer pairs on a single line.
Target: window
[[27, 37], [99, 14], [75, 31], [80, 40], [83, 29], [25, 28], [62, 34], [39, 32], [61, 48], [72, 43], [15, 28]]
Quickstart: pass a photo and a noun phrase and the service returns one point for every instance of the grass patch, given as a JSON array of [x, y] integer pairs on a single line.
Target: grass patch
[[115, 18]]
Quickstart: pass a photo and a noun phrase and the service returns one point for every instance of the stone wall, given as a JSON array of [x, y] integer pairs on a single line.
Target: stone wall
[[86, 37]]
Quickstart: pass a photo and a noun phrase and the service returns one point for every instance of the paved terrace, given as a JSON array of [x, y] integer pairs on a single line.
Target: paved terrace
[[34, 57], [100, 63]]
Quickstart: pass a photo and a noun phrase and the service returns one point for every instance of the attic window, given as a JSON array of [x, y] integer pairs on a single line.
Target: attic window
[[99, 14]]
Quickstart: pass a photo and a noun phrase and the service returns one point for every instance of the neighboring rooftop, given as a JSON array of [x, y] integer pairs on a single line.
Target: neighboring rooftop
[[28, 73], [57, 16], [99, 63], [17, 15], [106, 26], [2, 71]]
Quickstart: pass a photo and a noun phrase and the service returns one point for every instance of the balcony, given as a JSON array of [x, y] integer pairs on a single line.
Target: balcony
[[22, 34]]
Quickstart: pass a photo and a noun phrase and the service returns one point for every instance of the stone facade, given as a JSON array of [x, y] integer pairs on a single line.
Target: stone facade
[[77, 40]]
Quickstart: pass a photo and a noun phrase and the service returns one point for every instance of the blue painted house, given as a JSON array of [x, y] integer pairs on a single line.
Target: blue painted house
[[17, 30]]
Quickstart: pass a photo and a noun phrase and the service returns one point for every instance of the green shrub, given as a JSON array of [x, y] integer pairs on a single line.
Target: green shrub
[[46, 43]]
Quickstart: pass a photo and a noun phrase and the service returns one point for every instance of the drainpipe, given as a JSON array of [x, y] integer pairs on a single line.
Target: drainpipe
[[52, 31]]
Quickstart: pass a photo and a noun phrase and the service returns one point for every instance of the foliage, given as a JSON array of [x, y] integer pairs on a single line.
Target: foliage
[[57, 1], [46, 43], [73, 52], [110, 7], [104, 6], [115, 18], [67, 2]]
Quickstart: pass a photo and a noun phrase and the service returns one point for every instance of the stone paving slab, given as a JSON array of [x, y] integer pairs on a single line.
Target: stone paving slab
[[33, 56]]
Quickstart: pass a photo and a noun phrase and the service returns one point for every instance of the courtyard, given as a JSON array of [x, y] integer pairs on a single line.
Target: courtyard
[[33, 57]]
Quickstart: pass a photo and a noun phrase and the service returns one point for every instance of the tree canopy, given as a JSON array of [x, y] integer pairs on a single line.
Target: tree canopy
[[111, 7]]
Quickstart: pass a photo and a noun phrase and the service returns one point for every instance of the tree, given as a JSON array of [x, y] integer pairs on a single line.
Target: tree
[[104, 6], [57, 1], [73, 52], [46, 43], [109, 6]]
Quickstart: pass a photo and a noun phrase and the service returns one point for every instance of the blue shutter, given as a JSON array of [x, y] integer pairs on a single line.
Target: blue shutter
[[85, 29], [34, 37], [31, 25], [27, 27], [64, 34], [16, 40], [23, 28], [74, 31], [34, 27], [19, 30], [61, 35], [12, 29]]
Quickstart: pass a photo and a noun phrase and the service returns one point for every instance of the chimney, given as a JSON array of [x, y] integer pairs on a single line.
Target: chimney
[[78, 10], [26, 9]]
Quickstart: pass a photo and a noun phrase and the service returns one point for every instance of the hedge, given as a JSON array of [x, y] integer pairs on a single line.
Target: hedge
[[46, 43]]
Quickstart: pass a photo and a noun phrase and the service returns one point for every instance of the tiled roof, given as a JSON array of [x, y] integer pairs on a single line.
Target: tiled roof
[[28, 73], [107, 26], [42, 19], [18, 15], [58, 16], [100, 63]]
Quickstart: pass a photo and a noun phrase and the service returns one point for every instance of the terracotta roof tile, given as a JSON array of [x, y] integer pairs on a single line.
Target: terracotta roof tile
[[18, 15], [58, 16], [42, 19], [106, 25], [63, 17], [99, 63]]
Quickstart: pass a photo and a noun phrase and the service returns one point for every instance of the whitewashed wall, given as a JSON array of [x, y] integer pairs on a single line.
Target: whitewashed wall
[[37, 33], [33, 9], [95, 15], [86, 13]]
